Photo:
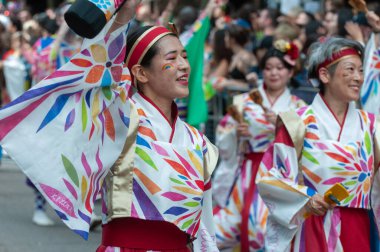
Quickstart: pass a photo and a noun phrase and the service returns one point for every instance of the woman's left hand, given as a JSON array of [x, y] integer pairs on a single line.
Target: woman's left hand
[[317, 205]]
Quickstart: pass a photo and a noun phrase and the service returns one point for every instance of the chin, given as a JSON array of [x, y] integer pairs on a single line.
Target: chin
[[353, 98], [182, 95]]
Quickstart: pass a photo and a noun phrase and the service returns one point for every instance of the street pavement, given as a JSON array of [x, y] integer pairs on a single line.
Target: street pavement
[[17, 231]]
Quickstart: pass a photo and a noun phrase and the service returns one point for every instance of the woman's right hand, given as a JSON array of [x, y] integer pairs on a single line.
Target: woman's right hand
[[317, 206]]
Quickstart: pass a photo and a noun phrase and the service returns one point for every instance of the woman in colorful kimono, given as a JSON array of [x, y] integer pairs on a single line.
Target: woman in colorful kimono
[[243, 219], [156, 194], [329, 144]]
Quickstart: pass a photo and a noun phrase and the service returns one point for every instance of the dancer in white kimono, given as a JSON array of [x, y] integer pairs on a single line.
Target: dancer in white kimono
[[329, 143], [98, 133], [243, 219]]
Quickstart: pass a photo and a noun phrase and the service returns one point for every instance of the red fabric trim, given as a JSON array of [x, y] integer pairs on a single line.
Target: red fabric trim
[[344, 118], [314, 235], [282, 136], [174, 117], [174, 114], [336, 56], [355, 230], [133, 233], [248, 198], [344, 121]]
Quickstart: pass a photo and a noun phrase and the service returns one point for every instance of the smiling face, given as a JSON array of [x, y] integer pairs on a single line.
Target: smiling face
[[276, 75], [345, 83], [168, 74]]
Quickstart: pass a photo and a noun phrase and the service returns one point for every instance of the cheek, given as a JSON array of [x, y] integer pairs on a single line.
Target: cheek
[[168, 67]]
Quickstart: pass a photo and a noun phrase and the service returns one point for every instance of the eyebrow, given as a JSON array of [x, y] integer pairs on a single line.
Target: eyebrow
[[175, 51], [351, 63]]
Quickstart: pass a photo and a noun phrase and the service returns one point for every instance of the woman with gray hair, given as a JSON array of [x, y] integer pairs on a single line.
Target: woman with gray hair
[[317, 177]]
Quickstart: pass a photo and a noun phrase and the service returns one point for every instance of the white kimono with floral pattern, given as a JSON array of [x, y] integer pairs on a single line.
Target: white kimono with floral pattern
[[228, 219], [332, 153]]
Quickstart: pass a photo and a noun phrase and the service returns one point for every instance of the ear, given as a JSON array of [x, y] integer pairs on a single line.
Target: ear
[[139, 73], [324, 75]]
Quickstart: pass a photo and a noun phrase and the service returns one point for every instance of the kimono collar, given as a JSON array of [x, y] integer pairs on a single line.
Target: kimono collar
[[328, 125], [280, 104], [141, 97]]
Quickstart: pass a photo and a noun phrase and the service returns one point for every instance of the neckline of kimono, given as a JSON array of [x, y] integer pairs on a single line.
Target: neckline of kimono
[[174, 113], [344, 118], [275, 100]]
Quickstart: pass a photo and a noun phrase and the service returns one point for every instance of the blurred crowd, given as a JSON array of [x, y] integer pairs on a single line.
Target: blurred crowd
[[35, 44]]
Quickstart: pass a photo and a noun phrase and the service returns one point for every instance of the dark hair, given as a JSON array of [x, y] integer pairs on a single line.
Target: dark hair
[[48, 24], [16, 22], [220, 50], [344, 15], [131, 39], [238, 33], [245, 13], [312, 35], [273, 52], [186, 17]]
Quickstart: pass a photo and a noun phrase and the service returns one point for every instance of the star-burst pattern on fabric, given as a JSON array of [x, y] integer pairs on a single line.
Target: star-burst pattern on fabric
[[79, 116]]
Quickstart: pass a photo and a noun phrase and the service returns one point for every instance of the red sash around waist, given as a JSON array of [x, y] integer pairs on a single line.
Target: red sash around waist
[[144, 234]]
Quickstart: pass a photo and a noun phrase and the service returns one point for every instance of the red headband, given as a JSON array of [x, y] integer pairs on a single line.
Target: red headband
[[338, 56], [142, 45]]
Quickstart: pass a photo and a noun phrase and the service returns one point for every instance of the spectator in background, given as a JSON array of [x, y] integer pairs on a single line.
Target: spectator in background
[[242, 61], [330, 21], [24, 15], [186, 18], [16, 68], [267, 22]]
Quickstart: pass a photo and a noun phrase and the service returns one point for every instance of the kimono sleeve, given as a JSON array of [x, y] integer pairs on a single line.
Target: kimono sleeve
[[260, 128], [206, 240], [226, 138], [227, 142], [277, 182], [67, 131], [375, 189]]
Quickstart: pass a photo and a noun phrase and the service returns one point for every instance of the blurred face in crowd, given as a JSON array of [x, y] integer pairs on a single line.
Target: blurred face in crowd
[[24, 16], [331, 23], [143, 13], [276, 75], [345, 83], [167, 76], [302, 20], [263, 19]]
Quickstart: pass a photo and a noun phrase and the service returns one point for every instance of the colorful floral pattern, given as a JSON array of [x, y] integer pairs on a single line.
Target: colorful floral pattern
[[326, 160], [370, 92], [228, 220], [80, 124], [326, 163], [180, 200], [107, 6]]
